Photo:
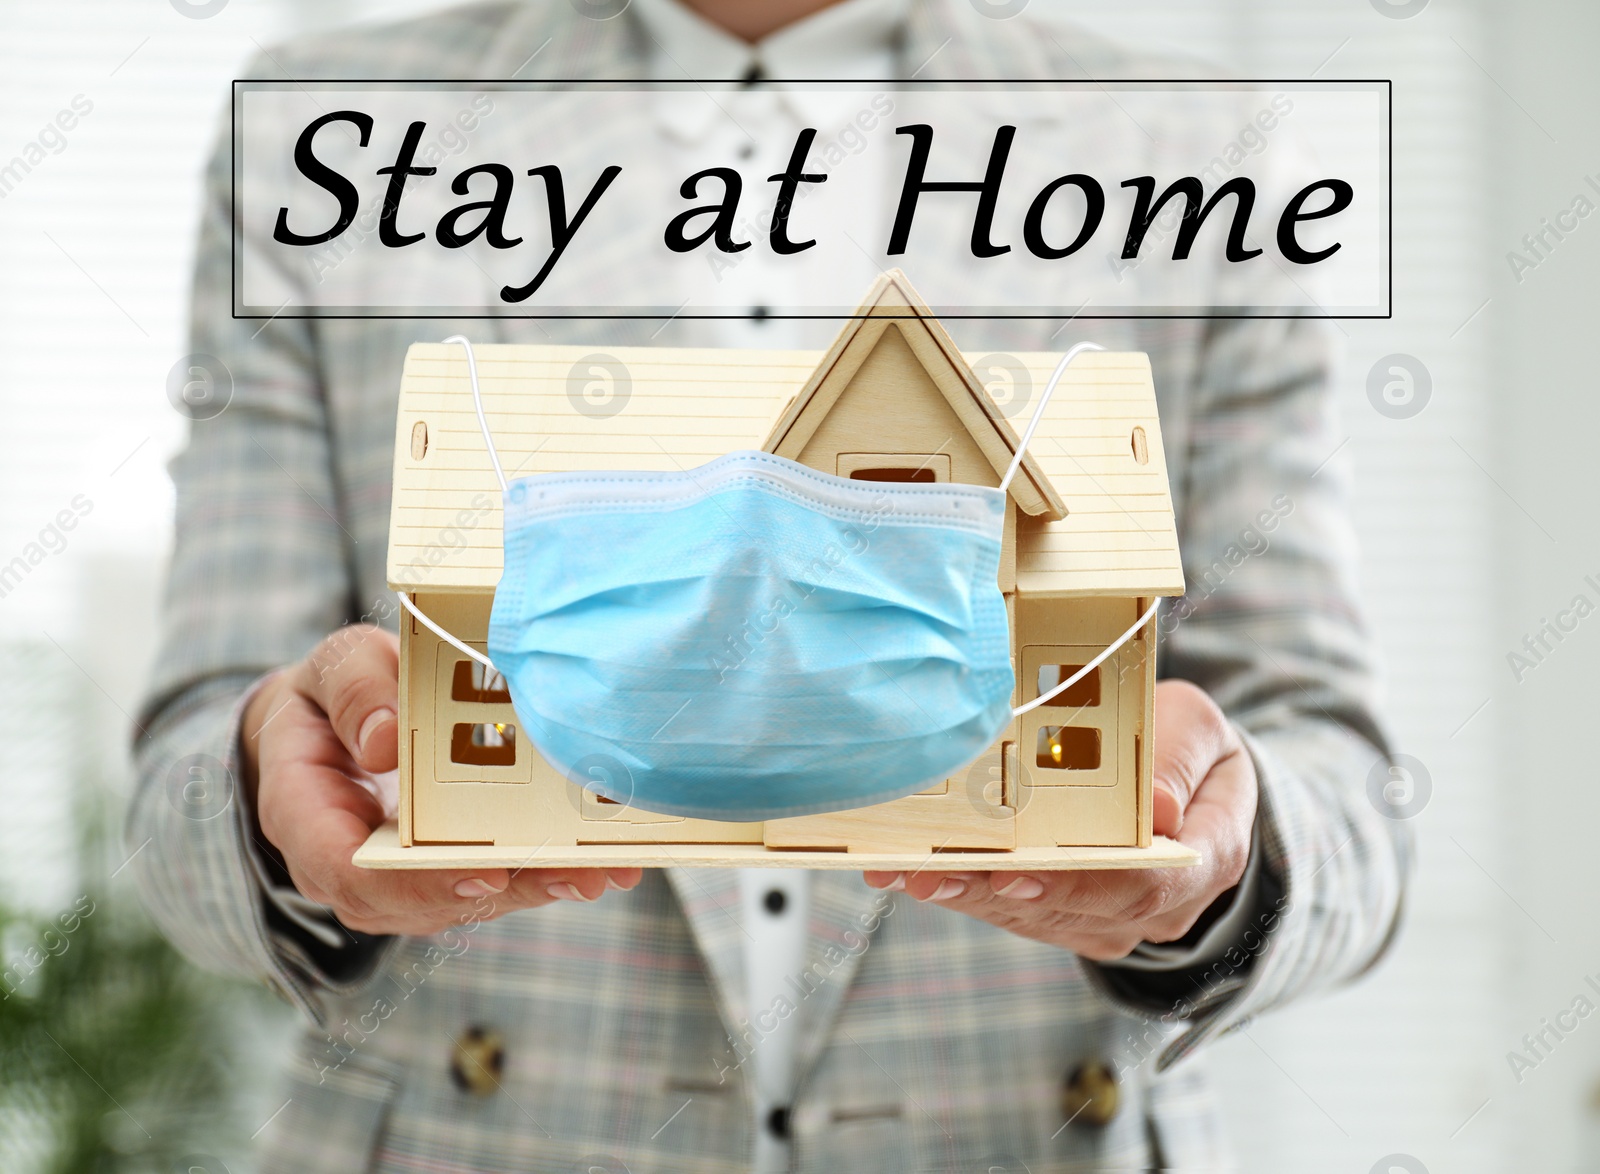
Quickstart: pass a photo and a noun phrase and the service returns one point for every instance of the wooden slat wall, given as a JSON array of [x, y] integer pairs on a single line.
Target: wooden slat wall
[[689, 406]]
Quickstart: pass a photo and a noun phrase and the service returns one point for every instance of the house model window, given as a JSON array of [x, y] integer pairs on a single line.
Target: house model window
[[914, 468], [1075, 746]]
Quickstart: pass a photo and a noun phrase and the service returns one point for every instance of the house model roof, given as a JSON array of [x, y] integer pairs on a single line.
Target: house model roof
[[1093, 494]]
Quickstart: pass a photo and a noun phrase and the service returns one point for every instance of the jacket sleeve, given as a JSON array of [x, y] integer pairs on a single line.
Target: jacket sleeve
[[260, 572], [1272, 630]]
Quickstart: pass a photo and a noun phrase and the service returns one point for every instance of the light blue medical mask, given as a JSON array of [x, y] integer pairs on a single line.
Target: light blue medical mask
[[753, 639]]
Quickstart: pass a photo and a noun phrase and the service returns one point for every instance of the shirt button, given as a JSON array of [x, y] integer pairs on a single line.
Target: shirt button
[[775, 901], [778, 1122], [477, 1060], [1090, 1095]]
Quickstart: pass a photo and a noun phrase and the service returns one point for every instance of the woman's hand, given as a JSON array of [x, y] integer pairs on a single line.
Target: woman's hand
[[1205, 797], [313, 736]]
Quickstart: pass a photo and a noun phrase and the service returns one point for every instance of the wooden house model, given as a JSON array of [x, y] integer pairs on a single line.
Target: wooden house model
[[1089, 542]]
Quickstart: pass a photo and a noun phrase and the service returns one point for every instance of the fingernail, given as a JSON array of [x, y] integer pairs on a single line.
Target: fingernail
[[1024, 888], [474, 886], [948, 888], [611, 883], [565, 891], [375, 719], [898, 884]]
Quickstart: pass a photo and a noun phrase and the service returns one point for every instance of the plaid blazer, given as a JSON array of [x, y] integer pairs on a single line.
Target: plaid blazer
[[931, 1042]]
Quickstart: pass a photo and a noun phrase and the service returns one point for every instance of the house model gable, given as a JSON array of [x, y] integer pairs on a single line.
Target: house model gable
[[888, 371]]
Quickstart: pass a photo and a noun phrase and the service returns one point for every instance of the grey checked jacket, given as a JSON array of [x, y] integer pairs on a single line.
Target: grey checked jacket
[[942, 1043]]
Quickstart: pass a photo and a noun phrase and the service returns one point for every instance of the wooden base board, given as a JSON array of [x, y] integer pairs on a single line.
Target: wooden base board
[[383, 850]]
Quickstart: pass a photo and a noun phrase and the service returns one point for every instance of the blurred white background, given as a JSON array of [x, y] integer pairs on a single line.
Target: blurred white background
[[1475, 514]]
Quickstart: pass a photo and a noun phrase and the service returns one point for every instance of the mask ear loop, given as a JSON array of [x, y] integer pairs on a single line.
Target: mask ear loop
[[477, 403], [1092, 665], [1005, 483], [1038, 412], [446, 636], [494, 459]]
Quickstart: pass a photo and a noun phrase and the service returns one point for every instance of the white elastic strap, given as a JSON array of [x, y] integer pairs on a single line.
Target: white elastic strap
[[442, 634], [477, 402], [1091, 666], [1038, 412]]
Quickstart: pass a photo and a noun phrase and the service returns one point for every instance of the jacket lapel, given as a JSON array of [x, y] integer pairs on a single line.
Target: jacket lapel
[[845, 915], [710, 901]]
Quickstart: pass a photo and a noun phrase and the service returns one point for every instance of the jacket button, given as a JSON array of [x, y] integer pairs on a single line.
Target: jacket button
[[1090, 1095], [477, 1060], [778, 1122]]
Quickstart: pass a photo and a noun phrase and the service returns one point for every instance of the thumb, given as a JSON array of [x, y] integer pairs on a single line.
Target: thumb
[[353, 676], [1166, 814], [1191, 736]]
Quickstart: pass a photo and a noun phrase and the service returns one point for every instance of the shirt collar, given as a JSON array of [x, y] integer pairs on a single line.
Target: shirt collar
[[851, 39], [854, 38]]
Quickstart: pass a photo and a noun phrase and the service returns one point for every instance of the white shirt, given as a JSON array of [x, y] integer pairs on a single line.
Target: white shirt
[[775, 906], [851, 40]]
